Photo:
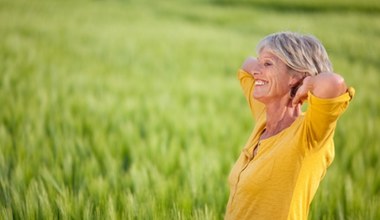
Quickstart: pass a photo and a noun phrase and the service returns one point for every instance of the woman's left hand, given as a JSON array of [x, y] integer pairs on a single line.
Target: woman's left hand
[[302, 91]]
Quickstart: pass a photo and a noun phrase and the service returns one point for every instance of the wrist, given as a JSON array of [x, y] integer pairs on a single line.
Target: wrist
[[308, 82]]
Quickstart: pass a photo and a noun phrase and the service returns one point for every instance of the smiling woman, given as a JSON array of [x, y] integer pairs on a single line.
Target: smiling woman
[[275, 72], [289, 151]]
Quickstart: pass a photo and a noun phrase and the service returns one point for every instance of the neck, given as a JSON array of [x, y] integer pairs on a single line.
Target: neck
[[280, 115]]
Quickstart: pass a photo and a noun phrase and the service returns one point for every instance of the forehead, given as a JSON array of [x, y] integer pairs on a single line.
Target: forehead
[[267, 54]]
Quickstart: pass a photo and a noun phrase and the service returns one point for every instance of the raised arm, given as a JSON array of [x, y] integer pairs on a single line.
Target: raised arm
[[249, 65], [323, 85], [328, 97], [247, 83]]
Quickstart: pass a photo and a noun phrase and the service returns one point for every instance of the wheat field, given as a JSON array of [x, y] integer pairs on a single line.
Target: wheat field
[[132, 109]]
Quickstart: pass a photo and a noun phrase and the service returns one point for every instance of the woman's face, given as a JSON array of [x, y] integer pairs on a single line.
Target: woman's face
[[272, 81]]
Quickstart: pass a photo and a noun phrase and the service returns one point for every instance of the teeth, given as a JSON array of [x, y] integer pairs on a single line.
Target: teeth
[[260, 82]]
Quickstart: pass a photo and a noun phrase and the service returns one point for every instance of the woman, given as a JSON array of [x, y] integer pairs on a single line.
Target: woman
[[288, 152]]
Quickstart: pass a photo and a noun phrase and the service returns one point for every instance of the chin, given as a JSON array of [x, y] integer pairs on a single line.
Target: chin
[[260, 98]]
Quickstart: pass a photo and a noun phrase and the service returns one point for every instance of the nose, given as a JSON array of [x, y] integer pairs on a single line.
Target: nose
[[256, 68]]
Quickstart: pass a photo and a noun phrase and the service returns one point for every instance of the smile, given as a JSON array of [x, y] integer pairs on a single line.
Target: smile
[[260, 82]]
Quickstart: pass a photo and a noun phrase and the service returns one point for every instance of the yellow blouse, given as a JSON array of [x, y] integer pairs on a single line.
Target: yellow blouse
[[281, 180]]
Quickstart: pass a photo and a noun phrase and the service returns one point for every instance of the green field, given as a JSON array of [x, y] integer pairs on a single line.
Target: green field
[[132, 109]]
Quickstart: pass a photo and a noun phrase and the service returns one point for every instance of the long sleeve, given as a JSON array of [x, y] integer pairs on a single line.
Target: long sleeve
[[322, 115], [247, 83]]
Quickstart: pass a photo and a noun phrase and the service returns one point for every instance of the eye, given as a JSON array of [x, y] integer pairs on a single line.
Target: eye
[[267, 64]]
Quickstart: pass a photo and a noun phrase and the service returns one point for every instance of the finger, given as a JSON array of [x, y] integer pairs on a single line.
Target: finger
[[295, 99], [302, 92], [300, 96]]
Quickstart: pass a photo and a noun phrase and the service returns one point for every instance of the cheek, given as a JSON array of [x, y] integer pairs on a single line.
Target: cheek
[[281, 85], [281, 88]]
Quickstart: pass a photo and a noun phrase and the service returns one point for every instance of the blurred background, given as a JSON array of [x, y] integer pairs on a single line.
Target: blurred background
[[132, 110]]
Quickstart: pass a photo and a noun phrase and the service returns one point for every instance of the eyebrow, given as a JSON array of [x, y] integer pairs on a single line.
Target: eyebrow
[[267, 58], [271, 56]]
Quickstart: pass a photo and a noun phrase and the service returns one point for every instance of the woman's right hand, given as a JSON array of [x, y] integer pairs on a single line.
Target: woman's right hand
[[249, 65]]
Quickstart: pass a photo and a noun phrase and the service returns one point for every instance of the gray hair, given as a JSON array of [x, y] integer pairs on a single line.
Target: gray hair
[[302, 53]]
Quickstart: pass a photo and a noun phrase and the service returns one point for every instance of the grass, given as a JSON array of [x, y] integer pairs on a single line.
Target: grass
[[132, 110]]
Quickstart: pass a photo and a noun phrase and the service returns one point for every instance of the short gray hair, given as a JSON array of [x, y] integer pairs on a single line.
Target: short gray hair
[[303, 53]]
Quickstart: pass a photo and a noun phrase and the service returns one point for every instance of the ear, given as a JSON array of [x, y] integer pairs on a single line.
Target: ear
[[295, 80]]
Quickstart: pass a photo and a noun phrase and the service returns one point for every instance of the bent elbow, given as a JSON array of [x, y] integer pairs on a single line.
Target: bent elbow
[[329, 85], [337, 86]]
